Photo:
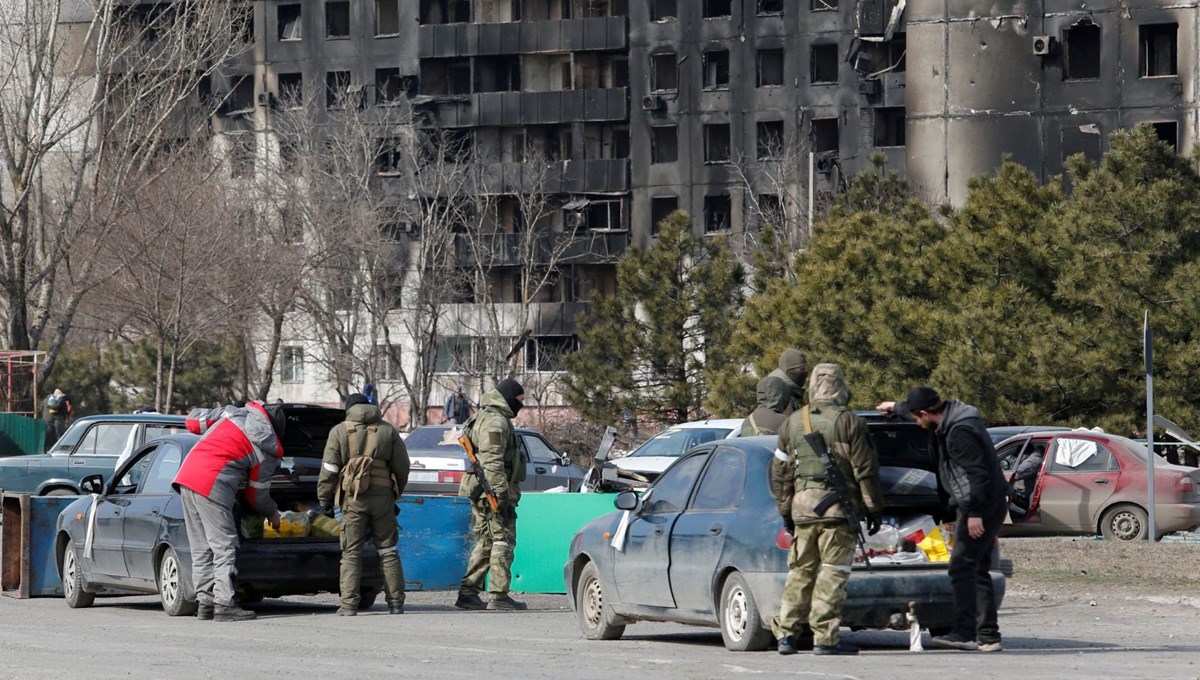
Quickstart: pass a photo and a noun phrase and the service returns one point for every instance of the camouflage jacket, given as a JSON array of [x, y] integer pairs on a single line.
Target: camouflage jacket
[[491, 431]]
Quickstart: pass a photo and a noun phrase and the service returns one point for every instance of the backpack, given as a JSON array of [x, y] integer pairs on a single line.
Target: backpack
[[356, 475]]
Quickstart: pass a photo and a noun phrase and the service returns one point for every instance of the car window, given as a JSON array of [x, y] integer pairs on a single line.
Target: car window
[[539, 451], [723, 483], [902, 445], [676, 442], [670, 493], [440, 441], [135, 471], [156, 431], [107, 439], [71, 437], [1008, 454], [1081, 455], [162, 470]]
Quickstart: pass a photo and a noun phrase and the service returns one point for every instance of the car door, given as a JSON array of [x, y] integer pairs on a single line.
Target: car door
[[1079, 476], [143, 517], [544, 465], [108, 535], [99, 449], [641, 570], [699, 535]]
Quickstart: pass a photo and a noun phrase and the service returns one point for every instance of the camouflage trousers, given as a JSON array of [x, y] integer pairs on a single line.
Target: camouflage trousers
[[818, 568], [492, 556], [374, 516]]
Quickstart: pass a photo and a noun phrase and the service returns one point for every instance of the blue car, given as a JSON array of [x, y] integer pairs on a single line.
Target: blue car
[[702, 547]]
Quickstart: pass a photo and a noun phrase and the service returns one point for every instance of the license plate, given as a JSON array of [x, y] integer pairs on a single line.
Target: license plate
[[415, 476]]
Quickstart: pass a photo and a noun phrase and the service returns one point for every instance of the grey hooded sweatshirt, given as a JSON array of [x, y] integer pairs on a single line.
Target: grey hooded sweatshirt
[[967, 465]]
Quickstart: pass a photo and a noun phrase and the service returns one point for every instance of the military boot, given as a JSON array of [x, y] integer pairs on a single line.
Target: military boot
[[470, 602], [505, 603], [204, 612], [347, 611], [232, 612]]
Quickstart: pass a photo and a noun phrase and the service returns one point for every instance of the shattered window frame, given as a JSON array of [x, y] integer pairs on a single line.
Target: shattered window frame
[[824, 5], [1081, 57], [1158, 50], [662, 10], [659, 211], [290, 88], [712, 146], [662, 64], [820, 61], [771, 55], [289, 21], [769, 139], [717, 9], [391, 16], [664, 139], [890, 130], [718, 213], [335, 12], [769, 7], [716, 69]]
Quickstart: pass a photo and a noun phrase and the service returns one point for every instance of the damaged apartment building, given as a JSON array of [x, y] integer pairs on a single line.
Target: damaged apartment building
[[649, 106]]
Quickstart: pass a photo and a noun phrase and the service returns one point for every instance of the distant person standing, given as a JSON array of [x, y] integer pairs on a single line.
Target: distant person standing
[[793, 371], [57, 412], [458, 408]]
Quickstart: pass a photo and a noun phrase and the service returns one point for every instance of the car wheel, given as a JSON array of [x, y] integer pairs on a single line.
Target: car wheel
[[170, 586], [73, 585], [366, 598], [60, 492], [1124, 523], [596, 618], [741, 623]]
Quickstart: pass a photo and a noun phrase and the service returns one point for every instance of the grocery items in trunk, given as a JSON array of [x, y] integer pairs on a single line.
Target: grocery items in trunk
[[907, 540], [291, 525]]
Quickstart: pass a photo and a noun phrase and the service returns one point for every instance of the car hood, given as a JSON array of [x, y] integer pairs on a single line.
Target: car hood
[[655, 464]]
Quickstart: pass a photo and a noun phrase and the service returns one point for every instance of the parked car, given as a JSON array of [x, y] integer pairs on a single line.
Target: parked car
[[1091, 482], [139, 542], [438, 462], [701, 547], [999, 434], [660, 451], [91, 446]]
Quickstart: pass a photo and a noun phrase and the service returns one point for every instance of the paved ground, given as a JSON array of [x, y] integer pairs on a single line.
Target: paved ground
[[1046, 636]]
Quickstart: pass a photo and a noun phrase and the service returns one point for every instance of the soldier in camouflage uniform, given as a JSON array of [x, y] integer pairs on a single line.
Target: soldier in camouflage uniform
[[368, 448], [491, 431], [793, 371], [774, 407], [823, 547]]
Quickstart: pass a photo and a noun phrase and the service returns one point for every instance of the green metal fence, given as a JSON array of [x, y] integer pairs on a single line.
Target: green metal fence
[[21, 435]]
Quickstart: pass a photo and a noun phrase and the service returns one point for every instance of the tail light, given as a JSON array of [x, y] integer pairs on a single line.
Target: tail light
[[1185, 485], [450, 476]]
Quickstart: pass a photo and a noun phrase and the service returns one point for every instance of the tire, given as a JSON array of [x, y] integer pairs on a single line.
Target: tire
[[741, 623], [596, 618], [366, 598], [60, 492], [170, 586], [1124, 523], [250, 597], [73, 585]]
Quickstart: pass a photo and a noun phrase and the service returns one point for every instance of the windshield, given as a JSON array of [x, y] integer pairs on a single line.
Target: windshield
[[441, 441], [677, 441]]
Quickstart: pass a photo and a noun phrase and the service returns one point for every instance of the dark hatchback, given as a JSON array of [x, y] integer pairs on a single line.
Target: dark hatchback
[[702, 547], [139, 543]]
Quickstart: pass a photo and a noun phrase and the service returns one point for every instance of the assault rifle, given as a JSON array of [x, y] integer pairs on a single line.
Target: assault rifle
[[840, 495], [482, 488]]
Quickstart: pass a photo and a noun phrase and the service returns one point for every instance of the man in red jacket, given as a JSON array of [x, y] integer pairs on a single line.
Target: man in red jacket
[[239, 445]]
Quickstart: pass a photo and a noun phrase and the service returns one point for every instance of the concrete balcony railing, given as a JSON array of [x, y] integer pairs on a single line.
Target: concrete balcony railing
[[543, 318], [602, 175], [515, 250], [529, 108], [523, 37]]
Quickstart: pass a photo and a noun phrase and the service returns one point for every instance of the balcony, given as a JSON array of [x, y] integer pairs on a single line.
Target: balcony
[[523, 37], [529, 108], [544, 318], [595, 176], [515, 250]]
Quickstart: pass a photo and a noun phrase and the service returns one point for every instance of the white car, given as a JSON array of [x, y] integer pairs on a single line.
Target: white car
[[657, 453]]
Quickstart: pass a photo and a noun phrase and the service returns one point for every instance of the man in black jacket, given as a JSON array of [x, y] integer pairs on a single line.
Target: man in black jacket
[[969, 474]]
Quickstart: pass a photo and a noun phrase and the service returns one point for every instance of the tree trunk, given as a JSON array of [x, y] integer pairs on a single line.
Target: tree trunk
[[160, 349]]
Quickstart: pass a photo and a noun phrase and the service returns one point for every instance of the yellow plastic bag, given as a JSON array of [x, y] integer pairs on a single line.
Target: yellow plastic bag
[[291, 525], [934, 546], [326, 526]]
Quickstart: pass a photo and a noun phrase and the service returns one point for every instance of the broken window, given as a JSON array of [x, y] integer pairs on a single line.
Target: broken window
[[662, 9], [717, 210], [889, 126], [389, 86], [660, 208], [241, 96], [824, 64], [1157, 50], [770, 210], [387, 17], [243, 23], [445, 11], [388, 157], [664, 73], [716, 69], [337, 88], [770, 6], [291, 89], [1081, 52], [290, 24], [664, 144], [604, 214], [445, 76], [716, 143], [770, 139], [770, 67], [825, 134], [1082, 139], [874, 58], [544, 353], [620, 143], [1167, 131], [824, 5], [337, 20], [717, 8], [498, 74]]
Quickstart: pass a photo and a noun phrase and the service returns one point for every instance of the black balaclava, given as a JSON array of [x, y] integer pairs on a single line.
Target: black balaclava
[[511, 389], [356, 399]]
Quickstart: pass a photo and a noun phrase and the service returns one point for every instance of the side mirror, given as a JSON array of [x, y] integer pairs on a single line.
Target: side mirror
[[627, 500], [92, 484]]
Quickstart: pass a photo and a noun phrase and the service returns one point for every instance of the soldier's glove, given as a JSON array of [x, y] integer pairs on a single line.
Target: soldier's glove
[[327, 511], [874, 522], [790, 525]]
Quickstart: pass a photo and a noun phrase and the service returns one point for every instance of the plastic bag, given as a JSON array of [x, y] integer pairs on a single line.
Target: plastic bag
[[885, 541], [916, 528], [934, 546], [325, 526], [291, 525]]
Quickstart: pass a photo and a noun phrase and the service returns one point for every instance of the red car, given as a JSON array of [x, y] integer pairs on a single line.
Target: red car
[[1089, 483]]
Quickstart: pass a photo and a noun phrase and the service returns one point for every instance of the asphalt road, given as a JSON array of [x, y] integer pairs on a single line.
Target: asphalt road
[[302, 638]]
